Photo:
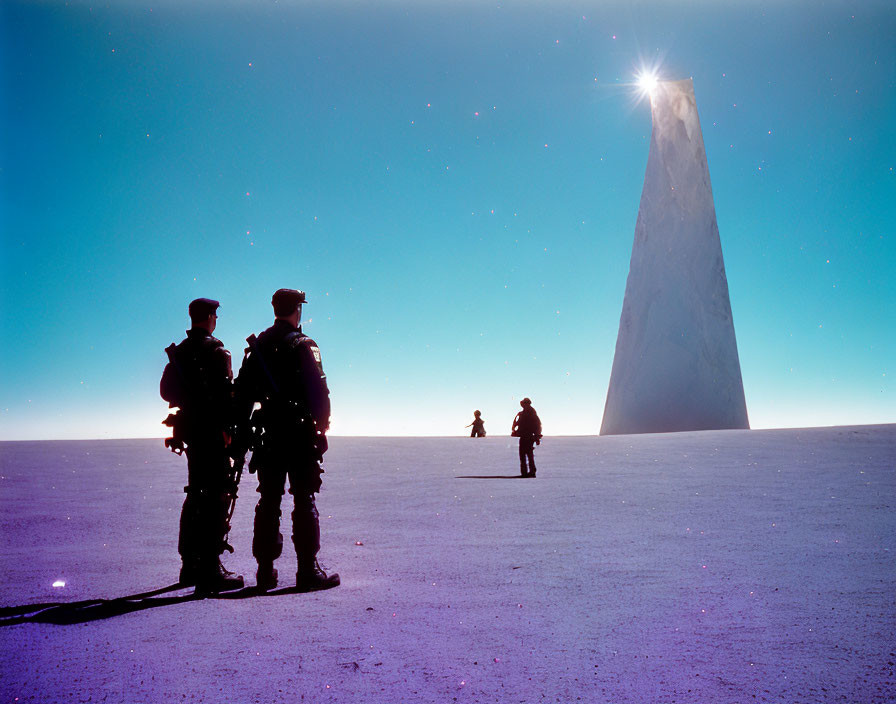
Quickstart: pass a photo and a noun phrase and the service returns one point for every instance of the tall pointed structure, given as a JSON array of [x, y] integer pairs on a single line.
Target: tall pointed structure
[[676, 366]]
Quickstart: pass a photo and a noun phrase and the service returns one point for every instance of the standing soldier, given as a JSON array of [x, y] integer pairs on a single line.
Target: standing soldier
[[199, 381], [527, 427], [282, 371]]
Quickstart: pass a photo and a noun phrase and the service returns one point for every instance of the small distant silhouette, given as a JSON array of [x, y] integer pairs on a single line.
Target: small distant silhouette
[[527, 427], [478, 425]]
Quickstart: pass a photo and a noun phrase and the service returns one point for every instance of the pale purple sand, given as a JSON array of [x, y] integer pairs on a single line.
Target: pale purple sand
[[727, 566]]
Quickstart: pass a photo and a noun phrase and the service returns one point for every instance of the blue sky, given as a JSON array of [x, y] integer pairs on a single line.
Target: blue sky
[[454, 185]]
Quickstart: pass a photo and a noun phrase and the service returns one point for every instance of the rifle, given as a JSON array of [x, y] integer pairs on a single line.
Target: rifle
[[237, 474]]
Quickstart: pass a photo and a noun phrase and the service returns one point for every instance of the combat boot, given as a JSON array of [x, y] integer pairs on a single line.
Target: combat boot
[[311, 578], [266, 576], [216, 579]]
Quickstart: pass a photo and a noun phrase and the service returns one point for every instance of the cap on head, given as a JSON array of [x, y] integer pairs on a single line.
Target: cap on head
[[286, 301], [526, 402], [201, 308]]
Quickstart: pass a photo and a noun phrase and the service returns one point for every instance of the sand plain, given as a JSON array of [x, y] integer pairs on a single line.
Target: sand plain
[[723, 566]]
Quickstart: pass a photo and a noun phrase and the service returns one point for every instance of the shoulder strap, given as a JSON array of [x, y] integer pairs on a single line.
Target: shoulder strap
[[295, 338], [212, 342]]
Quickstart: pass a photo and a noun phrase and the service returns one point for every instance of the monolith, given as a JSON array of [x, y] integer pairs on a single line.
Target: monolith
[[676, 366]]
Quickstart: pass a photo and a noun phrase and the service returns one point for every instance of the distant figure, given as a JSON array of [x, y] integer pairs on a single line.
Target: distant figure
[[527, 427], [199, 381], [282, 371], [478, 425]]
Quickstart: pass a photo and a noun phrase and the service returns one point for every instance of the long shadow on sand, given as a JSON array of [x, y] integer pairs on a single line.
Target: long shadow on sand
[[67, 613], [491, 476]]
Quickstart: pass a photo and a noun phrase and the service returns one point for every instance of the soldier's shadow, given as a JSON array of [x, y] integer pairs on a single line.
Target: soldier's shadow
[[491, 476], [68, 613]]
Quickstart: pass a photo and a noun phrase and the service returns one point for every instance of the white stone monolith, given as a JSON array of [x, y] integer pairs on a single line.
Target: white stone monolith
[[676, 366]]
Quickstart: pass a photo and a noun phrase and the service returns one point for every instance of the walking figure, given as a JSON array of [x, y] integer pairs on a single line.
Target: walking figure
[[478, 425], [527, 427]]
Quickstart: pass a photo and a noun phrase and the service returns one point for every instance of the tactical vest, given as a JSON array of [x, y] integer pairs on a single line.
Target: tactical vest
[[278, 376]]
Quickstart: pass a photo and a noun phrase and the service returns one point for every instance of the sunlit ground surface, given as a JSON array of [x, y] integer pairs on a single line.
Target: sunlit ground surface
[[724, 566]]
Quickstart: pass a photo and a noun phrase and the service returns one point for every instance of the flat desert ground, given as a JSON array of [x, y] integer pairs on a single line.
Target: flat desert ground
[[723, 566]]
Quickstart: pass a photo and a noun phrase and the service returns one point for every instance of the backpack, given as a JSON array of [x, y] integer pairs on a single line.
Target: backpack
[[172, 387]]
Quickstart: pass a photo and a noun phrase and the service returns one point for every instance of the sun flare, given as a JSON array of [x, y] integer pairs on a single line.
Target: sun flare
[[647, 81]]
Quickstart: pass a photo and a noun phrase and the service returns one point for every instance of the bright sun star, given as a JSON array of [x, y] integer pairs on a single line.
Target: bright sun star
[[647, 81]]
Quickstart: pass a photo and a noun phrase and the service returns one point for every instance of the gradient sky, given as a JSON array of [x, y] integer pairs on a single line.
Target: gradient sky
[[454, 185]]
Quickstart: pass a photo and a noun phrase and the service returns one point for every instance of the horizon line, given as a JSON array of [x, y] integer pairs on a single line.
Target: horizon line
[[437, 437]]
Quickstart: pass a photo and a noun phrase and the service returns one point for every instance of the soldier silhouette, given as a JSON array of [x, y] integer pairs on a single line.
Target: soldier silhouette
[[198, 380], [527, 427], [282, 371]]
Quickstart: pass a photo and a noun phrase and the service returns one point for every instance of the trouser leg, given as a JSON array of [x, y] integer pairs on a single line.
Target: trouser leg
[[267, 542], [305, 528], [526, 455], [530, 455], [304, 481], [188, 542], [203, 520]]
